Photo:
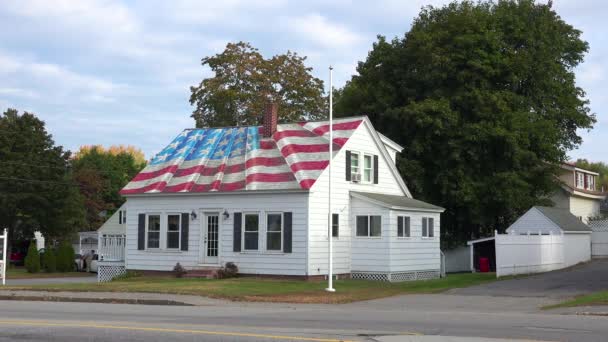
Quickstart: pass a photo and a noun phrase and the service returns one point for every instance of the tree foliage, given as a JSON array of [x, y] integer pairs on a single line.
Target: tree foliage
[[482, 95], [36, 187], [32, 259], [65, 257], [243, 81], [101, 173], [50, 260]]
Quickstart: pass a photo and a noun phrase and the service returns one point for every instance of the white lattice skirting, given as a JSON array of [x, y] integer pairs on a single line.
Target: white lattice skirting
[[106, 271], [397, 276]]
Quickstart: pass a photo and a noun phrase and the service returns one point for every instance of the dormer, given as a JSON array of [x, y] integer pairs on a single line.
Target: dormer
[[578, 178]]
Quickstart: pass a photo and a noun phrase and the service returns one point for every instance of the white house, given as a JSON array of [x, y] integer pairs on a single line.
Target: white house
[[258, 197], [578, 192]]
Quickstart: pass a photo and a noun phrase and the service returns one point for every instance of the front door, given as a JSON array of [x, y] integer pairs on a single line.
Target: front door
[[211, 245]]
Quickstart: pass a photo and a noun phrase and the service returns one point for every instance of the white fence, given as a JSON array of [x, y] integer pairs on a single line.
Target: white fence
[[112, 248], [599, 238], [523, 254]]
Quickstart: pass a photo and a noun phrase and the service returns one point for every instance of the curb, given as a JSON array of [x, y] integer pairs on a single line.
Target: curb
[[94, 300]]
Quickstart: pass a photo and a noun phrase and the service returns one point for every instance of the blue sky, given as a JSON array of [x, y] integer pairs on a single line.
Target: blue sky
[[118, 72]]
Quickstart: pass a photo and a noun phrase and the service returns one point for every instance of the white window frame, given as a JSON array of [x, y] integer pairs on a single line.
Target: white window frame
[[369, 227], [580, 180], [266, 232], [179, 231], [425, 226], [371, 169], [160, 229], [590, 182], [244, 231], [409, 227], [355, 169]]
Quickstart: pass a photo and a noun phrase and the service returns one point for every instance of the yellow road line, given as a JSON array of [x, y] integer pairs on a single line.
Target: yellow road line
[[169, 330]]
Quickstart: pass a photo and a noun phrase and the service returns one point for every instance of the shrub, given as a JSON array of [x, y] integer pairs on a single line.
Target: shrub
[[50, 261], [179, 270], [32, 259], [65, 258], [230, 270]]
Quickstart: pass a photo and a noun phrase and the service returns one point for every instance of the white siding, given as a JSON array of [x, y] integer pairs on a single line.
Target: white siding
[[370, 254], [577, 248], [248, 262], [458, 259], [112, 226], [415, 253], [533, 222], [523, 254], [584, 207], [599, 244], [360, 141]]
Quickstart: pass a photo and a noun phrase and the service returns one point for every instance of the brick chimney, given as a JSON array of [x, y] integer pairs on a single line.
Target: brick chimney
[[270, 119]]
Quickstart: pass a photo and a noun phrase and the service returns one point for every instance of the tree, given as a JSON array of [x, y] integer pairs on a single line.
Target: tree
[[101, 173], [599, 167], [482, 95], [50, 260], [36, 187], [65, 257], [32, 259], [244, 81]]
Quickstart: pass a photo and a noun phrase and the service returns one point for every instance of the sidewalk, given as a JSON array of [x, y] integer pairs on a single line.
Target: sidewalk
[[41, 281], [110, 297]]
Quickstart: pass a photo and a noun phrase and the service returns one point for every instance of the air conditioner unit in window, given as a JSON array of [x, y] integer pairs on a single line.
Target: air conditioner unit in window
[[355, 177]]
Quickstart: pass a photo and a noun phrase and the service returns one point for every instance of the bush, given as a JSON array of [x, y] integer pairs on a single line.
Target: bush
[[179, 270], [32, 259], [50, 261], [65, 258], [230, 270]]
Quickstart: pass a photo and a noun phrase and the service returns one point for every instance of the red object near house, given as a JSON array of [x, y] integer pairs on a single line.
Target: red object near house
[[484, 265]]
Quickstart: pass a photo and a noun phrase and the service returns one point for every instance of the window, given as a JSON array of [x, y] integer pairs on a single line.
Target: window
[[274, 232], [428, 228], [580, 180], [251, 232], [590, 182], [403, 226], [354, 163], [367, 168], [173, 231], [335, 225], [153, 240], [369, 226]]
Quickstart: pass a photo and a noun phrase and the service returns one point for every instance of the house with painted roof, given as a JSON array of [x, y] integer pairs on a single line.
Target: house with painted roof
[[258, 197]]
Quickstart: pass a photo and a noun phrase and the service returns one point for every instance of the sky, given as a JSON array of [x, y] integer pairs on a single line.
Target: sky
[[115, 72]]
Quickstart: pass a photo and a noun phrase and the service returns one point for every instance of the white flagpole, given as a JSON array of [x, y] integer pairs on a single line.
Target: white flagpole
[[330, 261], [4, 255]]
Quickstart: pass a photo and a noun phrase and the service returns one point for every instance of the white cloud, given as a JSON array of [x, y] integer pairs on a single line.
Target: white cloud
[[319, 30]]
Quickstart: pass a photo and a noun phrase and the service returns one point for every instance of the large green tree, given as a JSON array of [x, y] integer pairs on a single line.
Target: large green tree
[[37, 191], [483, 97], [244, 81], [101, 173]]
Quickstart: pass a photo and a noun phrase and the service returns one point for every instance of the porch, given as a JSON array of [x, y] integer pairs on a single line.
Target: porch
[[111, 251]]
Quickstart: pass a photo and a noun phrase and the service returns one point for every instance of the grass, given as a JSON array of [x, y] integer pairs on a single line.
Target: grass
[[272, 290], [22, 273], [597, 298]]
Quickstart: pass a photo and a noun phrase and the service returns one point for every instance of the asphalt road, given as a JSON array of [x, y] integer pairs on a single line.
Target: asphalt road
[[570, 282], [408, 317]]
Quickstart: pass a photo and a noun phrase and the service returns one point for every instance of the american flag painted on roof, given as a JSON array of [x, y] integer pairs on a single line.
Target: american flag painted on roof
[[240, 158]]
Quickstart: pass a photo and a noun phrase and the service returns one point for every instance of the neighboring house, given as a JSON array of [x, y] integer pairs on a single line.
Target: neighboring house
[[111, 236], [258, 197], [579, 193]]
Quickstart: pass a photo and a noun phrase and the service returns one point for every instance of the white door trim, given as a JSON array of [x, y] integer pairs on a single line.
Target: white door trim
[[203, 214]]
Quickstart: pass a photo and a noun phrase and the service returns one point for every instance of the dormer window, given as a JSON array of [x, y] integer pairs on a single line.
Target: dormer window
[[580, 180], [590, 184]]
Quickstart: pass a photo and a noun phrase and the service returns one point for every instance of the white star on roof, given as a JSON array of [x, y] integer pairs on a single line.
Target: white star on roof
[[183, 134], [219, 153], [224, 142], [211, 140], [203, 151], [161, 157], [183, 150], [174, 145], [195, 137], [237, 151]]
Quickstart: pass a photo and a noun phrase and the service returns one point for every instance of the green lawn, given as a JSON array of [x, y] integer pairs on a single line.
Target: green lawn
[[272, 290], [597, 298], [22, 273]]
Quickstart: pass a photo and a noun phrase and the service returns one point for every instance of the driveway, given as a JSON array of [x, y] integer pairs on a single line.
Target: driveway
[[573, 281]]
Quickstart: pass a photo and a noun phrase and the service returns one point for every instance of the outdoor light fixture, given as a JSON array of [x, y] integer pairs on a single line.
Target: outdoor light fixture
[[226, 214], [193, 215]]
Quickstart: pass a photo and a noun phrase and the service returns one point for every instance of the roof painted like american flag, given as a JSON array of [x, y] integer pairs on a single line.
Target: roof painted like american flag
[[240, 158]]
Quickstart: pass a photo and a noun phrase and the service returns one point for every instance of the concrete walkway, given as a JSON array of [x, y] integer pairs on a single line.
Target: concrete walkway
[[40, 281]]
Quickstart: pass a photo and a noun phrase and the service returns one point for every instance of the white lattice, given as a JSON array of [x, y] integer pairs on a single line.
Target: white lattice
[[108, 271], [423, 275], [599, 225], [370, 276], [403, 276]]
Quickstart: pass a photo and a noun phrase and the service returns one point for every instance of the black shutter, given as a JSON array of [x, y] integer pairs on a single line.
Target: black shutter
[[236, 233], [141, 232], [348, 165], [400, 226], [375, 169], [335, 223], [287, 233], [120, 217], [185, 230]]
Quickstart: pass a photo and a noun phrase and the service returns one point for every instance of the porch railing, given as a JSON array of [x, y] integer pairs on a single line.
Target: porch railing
[[112, 247]]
